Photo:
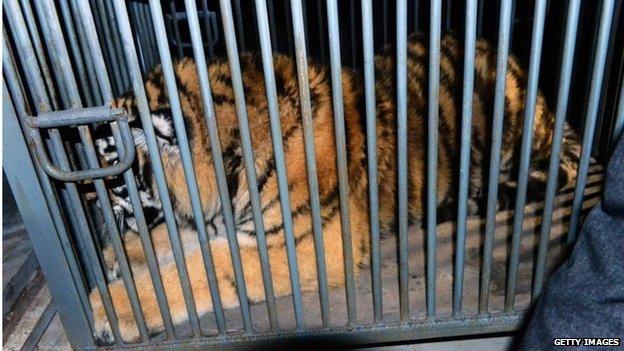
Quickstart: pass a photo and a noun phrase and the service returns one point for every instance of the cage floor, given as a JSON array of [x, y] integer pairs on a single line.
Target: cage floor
[[54, 339], [445, 259]]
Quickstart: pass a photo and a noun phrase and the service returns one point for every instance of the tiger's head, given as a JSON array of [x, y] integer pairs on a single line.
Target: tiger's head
[[142, 168]]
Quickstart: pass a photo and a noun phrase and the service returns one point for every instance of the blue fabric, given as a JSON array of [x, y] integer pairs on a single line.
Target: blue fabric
[[585, 297]]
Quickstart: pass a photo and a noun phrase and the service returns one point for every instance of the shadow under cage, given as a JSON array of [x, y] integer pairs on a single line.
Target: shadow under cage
[[69, 65]]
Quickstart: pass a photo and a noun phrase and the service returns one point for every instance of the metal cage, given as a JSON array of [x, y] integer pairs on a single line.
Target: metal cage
[[65, 60]]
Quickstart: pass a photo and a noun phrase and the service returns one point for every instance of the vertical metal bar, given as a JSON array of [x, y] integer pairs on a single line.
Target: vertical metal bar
[[618, 125], [432, 151], [76, 54], [91, 77], [95, 91], [99, 26], [525, 151], [42, 103], [152, 36], [187, 160], [591, 115], [308, 136], [341, 154], [191, 180], [248, 156], [69, 81], [132, 11], [211, 52], [565, 76], [226, 206], [464, 167], [601, 124], [148, 40], [401, 78], [88, 26], [371, 145], [176, 28], [31, 201], [118, 49], [189, 173], [56, 69], [280, 164], [149, 53], [16, 90], [155, 160], [39, 51], [497, 134], [107, 34]]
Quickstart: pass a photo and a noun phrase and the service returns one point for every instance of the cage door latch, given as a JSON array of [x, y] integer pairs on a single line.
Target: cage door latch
[[81, 117]]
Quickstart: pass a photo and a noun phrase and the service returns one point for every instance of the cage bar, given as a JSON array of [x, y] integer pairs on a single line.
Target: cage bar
[[591, 116], [54, 64], [371, 146], [117, 44], [525, 151], [69, 82], [97, 98], [22, 174], [189, 173], [432, 151], [148, 52], [588, 130], [464, 168], [39, 50], [106, 88], [497, 133], [401, 78], [280, 164], [14, 86], [155, 160], [42, 103], [241, 112], [216, 152], [110, 47], [341, 157], [308, 136], [76, 53]]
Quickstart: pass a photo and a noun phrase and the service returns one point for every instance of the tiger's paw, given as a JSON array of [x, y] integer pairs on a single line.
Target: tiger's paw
[[102, 331]]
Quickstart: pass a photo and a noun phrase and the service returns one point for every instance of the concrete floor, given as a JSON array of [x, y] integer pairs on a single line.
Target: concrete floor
[[503, 343]]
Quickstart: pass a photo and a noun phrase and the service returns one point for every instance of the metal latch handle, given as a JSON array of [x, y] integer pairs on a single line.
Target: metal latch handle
[[83, 116]]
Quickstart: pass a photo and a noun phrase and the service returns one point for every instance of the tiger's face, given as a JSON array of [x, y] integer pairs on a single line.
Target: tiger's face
[[146, 186]]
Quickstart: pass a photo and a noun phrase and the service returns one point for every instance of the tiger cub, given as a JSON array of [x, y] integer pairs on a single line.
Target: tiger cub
[[451, 65]]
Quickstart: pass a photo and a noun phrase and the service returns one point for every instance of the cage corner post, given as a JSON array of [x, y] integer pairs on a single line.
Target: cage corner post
[[22, 177]]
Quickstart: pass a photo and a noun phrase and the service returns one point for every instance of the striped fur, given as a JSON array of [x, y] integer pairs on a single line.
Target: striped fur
[[321, 101]]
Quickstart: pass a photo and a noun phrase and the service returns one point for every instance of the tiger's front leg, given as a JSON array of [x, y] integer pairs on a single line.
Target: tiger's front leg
[[149, 304]]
